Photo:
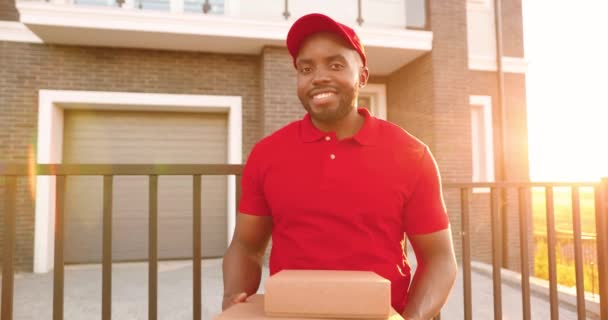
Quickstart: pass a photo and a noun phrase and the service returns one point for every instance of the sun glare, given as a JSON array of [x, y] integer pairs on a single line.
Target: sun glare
[[566, 89], [31, 168]]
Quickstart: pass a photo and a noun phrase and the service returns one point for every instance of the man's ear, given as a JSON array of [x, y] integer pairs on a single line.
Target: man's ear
[[363, 77]]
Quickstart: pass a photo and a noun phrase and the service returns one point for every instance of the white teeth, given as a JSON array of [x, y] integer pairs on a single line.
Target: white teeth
[[323, 95]]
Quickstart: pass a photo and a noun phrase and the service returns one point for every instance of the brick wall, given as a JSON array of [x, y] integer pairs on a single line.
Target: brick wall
[[24, 223], [8, 11], [516, 150], [377, 79], [429, 98], [485, 83], [451, 113], [27, 68], [410, 101], [280, 102], [512, 28]]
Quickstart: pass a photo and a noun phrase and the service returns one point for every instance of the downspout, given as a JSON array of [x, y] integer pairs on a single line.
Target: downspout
[[500, 103]]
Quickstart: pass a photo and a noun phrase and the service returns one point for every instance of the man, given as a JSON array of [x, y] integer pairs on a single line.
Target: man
[[340, 189]]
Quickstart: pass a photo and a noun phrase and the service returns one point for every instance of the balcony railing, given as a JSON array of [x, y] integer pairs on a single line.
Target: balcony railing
[[9, 173], [410, 14], [498, 203]]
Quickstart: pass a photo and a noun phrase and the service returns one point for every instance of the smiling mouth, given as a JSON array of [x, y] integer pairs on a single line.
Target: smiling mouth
[[322, 96]]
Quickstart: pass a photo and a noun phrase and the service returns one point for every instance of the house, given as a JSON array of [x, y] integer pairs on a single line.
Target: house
[[186, 81]]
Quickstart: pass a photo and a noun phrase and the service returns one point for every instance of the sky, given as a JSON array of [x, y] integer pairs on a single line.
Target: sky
[[566, 47]]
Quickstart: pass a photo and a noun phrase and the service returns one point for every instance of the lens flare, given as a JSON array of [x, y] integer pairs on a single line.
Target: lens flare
[[31, 170]]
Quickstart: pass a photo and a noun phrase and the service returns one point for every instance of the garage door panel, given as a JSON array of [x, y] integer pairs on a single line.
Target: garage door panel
[[214, 196], [137, 138], [130, 199], [175, 210], [84, 188], [129, 243], [85, 232]]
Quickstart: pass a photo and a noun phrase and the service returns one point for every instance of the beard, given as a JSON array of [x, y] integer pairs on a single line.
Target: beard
[[332, 114]]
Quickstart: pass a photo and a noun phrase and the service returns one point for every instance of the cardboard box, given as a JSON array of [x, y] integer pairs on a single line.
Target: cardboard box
[[253, 309], [327, 294]]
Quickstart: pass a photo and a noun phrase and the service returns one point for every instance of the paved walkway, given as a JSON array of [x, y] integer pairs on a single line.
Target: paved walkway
[[33, 294]]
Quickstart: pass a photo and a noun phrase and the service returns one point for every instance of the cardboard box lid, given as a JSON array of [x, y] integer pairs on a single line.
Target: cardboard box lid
[[253, 309], [328, 294], [336, 276]]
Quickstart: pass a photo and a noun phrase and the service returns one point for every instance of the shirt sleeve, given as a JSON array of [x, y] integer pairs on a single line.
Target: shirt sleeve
[[252, 200], [425, 212]]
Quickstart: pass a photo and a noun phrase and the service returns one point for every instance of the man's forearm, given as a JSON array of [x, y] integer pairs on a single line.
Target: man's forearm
[[242, 271], [430, 288]]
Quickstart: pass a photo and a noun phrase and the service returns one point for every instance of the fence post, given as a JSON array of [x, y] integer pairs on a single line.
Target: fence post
[[601, 220]]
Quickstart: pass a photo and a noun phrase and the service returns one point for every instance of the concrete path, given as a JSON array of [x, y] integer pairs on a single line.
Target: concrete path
[[33, 294]]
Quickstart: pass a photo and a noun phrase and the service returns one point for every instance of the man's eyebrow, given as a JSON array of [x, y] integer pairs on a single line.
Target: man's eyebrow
[[330, 58], [303, 61]]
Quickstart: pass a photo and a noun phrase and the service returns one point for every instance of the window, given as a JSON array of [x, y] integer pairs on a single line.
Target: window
[[373, 98], [365, 102], [482, 140]]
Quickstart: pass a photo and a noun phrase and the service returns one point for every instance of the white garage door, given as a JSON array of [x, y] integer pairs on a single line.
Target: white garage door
[[125, 137]]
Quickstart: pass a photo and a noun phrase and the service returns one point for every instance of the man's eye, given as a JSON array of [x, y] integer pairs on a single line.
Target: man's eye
[[336, 66], [305, 69]]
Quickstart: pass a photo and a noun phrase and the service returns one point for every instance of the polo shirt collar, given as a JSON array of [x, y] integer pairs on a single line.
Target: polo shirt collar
[[365, 136]]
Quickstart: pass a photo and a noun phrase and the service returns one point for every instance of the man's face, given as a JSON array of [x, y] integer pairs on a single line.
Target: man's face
[[329, 76]]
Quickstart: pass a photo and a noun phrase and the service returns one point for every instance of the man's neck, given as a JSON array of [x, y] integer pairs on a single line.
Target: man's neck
[[345, 127]]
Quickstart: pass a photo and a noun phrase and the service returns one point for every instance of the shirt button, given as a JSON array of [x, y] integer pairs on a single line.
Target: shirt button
[[327, 138], [332, 156]]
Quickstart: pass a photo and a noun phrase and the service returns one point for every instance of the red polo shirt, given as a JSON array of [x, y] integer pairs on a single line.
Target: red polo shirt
[[344, 204]]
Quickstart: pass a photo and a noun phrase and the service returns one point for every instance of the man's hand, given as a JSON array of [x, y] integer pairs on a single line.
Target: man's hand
[[232, 299], [242, 265]]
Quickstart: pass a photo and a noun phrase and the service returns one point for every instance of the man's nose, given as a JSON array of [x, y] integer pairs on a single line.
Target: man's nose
[[320, 75]]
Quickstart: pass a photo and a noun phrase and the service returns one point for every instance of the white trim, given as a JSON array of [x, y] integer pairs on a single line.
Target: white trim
[[485, 102], [51, 104], [39, 13], [480, 5], [152, 21], [396, 38], [232, 8], [388, 49], [509, 64], [176, 5], [377, 94], [480, 100], [17, 31]]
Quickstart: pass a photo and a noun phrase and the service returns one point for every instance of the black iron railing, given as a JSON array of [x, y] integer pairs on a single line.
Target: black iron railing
[[524, 190], [10, 173]]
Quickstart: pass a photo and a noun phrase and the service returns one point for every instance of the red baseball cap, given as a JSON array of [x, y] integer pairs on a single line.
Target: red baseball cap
[[316, 22]]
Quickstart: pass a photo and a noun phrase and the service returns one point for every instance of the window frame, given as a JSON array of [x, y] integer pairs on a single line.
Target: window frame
[[482, 156]]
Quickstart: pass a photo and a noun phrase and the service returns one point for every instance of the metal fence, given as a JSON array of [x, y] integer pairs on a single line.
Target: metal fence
[[10, 173], [497, 235]]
